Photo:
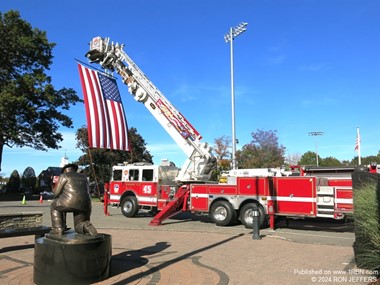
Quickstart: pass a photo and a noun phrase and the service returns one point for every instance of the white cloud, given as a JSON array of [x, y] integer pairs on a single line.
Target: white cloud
[[326, 101], [189, 92], [314, 67], [276, 60]]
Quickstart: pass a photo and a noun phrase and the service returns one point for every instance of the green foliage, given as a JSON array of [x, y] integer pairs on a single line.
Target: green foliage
[[103, 159], [263, 151], [309, 158], [14, 182], [30, 107], [366, 160], [367, 226], [28, 180], [330, 161], [222, 152]]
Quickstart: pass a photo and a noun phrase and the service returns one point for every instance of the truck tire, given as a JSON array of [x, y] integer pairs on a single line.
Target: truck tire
[[222, 213], [246, 216], [129, 206]]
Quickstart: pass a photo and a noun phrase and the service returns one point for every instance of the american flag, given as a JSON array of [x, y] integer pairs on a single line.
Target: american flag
[[357, 143], [106, 123]]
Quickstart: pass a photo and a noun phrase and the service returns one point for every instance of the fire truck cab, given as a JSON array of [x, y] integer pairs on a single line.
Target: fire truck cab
[[142, 186]]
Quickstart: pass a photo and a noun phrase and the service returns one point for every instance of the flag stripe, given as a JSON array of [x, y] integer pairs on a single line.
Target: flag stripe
[[115, 130], [93, 100], [96, 112], [123, 132], [84, 82], [106, 123]]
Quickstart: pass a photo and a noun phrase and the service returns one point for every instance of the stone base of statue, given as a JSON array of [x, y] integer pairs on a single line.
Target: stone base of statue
[[71, 258]]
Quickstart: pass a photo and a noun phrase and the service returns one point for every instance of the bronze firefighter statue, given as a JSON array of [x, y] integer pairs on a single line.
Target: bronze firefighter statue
[[71, 195]]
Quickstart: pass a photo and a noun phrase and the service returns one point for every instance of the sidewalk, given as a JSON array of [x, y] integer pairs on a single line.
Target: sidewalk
[[161, 257], [173, 254]]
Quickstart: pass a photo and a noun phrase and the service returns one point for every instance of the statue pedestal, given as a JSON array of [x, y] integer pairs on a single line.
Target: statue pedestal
[[71, 258]]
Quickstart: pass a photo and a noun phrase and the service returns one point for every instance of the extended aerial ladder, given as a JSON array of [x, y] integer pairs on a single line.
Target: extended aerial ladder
[[200, 162]]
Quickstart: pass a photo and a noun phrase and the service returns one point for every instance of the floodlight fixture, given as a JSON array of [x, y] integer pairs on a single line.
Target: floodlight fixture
[[234, 32], [316, 134]]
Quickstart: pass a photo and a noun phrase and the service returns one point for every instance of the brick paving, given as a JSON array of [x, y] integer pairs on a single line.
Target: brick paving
[[182, 252]]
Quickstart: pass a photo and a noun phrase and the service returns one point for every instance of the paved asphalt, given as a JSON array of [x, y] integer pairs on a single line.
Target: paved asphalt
[[188, 249]]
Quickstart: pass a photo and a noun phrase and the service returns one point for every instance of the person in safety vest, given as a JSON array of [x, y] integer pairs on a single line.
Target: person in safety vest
[[71, 194]]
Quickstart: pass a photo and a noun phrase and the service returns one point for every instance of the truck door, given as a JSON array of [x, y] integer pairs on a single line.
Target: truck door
[[148, 191], [199, 198]]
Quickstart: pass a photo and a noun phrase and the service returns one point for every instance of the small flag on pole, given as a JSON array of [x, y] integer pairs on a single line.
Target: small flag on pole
[[106, 122], [357, 145]]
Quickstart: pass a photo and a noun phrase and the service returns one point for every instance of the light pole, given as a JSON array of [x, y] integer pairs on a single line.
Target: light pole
[[315, 134], [234, 32]]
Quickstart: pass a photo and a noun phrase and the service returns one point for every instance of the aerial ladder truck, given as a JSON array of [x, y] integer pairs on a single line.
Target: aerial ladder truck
[[199, 164], [240, 192]]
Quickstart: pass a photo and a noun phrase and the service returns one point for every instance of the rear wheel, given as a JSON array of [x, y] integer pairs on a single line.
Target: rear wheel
[[129, 206], [222, 213], [246, 216]]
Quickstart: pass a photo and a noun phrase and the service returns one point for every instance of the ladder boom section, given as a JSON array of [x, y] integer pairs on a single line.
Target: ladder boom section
[[200, 162]]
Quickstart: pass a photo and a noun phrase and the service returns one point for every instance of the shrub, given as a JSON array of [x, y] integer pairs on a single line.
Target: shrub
[[367, 226], [14, 182]]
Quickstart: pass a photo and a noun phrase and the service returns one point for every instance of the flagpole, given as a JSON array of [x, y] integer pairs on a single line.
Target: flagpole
[[358, 145], [93, 171]]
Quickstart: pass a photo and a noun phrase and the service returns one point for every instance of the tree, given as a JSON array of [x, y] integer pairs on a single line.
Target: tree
[[222, 151], [30, 107], [367, 160], [293, 158], [309, 158], [330, 161], [28, 180], [98, 162], [263, 151], [14, 182], [3, 183]]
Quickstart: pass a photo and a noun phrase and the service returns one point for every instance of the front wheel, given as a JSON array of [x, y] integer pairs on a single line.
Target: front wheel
[[129, 206], [246, 216], [222, 213]]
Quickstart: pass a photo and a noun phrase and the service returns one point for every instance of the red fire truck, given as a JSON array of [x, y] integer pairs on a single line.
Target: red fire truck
[[142, 186], [168, 190], [276, 193]]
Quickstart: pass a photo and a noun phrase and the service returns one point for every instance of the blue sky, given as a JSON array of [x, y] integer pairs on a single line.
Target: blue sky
[[301, 66]]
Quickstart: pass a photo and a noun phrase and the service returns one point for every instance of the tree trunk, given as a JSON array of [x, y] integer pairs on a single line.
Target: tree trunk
[[1, 153]]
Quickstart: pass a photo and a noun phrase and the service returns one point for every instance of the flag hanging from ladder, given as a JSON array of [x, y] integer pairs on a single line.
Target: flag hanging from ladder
[[106, 122]]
